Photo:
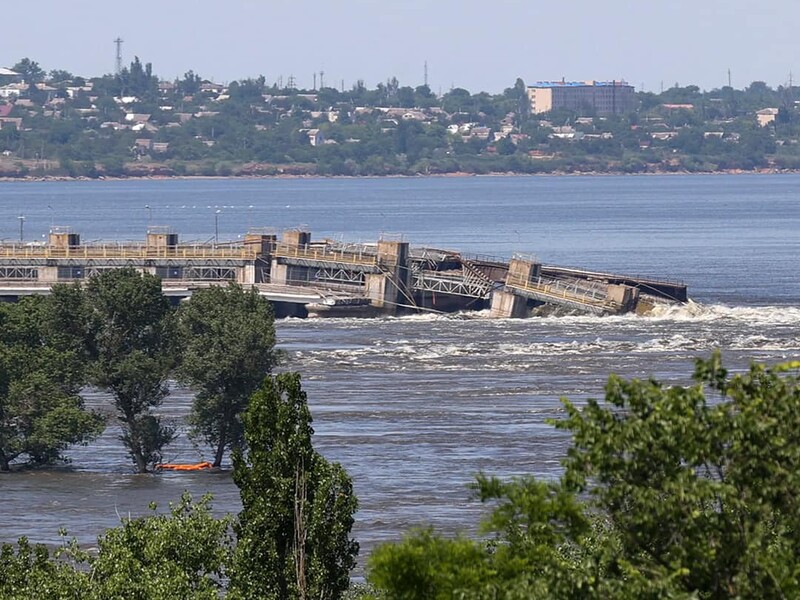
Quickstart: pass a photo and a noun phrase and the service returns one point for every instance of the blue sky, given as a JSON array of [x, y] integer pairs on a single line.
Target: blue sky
[[477, 45]]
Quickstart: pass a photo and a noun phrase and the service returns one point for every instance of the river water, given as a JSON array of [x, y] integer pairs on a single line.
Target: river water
[[414, 407]]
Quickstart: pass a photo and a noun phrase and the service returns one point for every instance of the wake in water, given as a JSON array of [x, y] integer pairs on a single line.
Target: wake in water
[[690, 311]]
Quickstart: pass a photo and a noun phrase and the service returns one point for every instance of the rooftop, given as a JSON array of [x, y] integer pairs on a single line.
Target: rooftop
[[554, 84]]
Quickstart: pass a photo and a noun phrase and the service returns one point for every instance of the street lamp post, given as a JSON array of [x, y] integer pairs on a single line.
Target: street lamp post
[[149, 215], [216, 226], [21, 227]]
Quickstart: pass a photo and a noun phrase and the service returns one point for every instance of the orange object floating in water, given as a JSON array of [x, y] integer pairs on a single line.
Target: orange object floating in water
[[180, 467]]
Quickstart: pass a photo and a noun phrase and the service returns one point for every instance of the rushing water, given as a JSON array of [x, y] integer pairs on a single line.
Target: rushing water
[[414, 407]]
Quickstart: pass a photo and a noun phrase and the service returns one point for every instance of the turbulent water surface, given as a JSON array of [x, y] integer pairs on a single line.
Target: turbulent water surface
[[414, 407]]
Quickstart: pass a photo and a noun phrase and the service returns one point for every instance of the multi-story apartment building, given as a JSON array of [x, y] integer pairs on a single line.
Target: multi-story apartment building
[[588, 97]]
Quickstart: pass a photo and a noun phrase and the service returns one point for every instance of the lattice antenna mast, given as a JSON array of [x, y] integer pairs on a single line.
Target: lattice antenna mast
[[322, 79], [426, 73], [118, 64]]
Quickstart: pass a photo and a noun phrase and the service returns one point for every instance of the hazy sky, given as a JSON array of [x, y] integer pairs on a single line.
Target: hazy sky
[[479, 45]]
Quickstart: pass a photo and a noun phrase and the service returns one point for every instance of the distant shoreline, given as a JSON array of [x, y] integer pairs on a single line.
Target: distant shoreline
[[61, 178]]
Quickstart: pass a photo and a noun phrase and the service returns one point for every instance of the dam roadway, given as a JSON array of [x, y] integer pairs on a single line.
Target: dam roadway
[[302, 277]]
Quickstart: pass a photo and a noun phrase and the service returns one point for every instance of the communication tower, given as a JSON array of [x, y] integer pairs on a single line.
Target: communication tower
[[118, 64]]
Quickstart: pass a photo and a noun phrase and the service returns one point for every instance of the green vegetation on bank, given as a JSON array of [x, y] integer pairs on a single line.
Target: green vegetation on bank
[[136, 124]]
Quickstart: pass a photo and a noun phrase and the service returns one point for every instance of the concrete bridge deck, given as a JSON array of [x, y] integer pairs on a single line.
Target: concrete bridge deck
[[295, 273]]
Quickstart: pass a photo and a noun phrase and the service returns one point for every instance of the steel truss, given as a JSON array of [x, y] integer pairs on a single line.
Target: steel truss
[[17, 273], [339, 275], [461, 284], [323, 263], [193, 273]]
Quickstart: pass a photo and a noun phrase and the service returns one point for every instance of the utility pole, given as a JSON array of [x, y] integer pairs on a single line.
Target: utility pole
[[729, 79], [426, 73], [216, 226], [21, 227], [118, 64]]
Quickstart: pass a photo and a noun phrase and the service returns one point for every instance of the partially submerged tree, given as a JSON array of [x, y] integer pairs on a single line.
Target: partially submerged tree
[[297, 508], [43, 362], [131, 329], [228, 341]]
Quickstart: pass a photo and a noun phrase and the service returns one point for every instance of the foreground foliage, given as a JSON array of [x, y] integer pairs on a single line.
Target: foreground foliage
[[668, 492], [291, 540], [177, 555], [297, 508]]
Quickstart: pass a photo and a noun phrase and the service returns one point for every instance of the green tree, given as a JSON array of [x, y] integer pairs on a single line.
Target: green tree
[[297, 508], [704, 489], [182, 554], [133, 339], [190, 84], [30, 70], [57, 76], [668, 491], [42, 368], [31, 572], [228, 341]]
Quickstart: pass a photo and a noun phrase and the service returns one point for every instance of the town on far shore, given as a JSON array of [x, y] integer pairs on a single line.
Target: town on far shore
[[132, 123]]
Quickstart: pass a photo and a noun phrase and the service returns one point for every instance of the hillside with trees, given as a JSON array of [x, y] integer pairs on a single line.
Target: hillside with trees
[[58, 124]]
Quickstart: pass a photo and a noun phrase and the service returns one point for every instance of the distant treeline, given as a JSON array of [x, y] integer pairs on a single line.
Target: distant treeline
[[135, 124]]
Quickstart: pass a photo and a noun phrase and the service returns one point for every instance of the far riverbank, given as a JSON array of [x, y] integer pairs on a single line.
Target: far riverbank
[[290, 176]]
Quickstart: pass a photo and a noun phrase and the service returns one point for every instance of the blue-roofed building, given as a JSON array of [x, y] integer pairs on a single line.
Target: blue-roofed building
[[600, 98]]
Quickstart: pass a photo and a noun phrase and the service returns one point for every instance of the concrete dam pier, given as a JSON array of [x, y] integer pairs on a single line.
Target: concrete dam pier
[[303, 277]]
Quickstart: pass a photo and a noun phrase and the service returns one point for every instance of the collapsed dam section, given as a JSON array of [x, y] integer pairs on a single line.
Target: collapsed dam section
[[304, 277]]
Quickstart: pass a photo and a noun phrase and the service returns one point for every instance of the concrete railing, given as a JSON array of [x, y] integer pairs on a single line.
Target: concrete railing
[[324, 254], [559, 291], [132, 252]]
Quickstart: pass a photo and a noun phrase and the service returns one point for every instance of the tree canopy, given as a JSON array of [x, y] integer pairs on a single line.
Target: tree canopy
[[293, 533], [131, 331], [43, 360], [181, 554], [668, 491], [227, 340]]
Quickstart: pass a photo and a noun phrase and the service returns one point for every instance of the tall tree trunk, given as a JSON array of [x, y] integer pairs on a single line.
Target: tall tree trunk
[[4, 466], [300, 529], [135, 445], [221, 443], [220, 453]]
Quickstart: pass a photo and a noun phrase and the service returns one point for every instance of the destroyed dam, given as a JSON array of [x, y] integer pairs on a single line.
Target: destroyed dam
[[304, 277]]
